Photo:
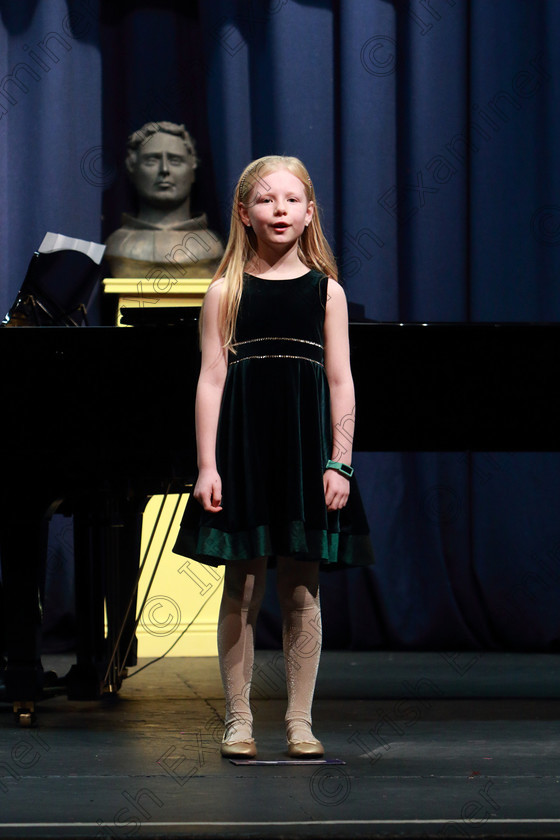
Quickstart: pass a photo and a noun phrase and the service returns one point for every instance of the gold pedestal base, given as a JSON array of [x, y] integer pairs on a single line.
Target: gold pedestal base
[[134, 293], [181, 608]]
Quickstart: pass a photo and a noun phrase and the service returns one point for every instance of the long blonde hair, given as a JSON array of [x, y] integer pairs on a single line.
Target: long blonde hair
[[313, 249]]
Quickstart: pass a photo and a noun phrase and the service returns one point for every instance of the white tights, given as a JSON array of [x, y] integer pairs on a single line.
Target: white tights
[[298, 593]]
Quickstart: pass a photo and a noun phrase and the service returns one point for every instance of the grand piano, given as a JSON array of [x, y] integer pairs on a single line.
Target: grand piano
[[97, 419]]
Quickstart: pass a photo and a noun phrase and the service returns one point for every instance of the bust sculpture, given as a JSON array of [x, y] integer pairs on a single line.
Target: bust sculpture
[[161, 163]]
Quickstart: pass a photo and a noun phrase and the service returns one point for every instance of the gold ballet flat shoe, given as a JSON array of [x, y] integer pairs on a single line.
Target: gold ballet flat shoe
[[305, 749], [239, 749]]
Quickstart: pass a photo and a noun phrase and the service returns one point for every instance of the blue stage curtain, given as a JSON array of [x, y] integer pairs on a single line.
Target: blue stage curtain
[[51, 176], [431, 131]]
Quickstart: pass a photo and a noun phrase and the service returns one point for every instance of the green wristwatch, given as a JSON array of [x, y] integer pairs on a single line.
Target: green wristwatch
[[345, 469]]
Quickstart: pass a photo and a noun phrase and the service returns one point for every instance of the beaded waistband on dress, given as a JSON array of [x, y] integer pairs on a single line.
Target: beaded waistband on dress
[[278, 347]]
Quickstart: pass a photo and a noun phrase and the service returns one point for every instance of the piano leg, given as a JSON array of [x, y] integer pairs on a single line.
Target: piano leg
[[124, 592], [23, 551], [121, 589], [107, 534], [84, 679]]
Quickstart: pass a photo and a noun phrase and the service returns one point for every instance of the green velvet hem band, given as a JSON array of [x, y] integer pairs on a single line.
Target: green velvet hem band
[[333, 550]]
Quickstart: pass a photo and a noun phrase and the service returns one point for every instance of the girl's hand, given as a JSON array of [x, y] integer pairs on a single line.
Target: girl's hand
[[337, 490], [208, 490]]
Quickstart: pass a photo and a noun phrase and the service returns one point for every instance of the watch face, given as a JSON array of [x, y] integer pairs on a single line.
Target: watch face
[[345, 469]]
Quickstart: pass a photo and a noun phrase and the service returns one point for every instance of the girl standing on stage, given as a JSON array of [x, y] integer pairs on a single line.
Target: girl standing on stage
[[274, 422]]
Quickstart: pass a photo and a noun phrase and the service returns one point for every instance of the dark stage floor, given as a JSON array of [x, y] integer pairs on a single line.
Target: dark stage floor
[[461, 745]]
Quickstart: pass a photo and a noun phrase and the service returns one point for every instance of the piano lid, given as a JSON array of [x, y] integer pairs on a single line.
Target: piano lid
[[435, 387]]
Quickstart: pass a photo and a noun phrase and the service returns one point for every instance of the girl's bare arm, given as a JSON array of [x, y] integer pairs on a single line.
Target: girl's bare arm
[[213, 369], [341, 385]]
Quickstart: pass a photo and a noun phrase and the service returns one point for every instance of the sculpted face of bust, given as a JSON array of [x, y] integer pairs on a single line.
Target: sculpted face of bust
[[162, 172]]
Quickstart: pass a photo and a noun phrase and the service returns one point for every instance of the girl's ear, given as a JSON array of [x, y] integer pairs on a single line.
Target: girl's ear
[[309, 213], [243, 215]]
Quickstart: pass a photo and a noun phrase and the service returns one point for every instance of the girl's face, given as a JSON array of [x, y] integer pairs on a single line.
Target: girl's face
[[278, 209]]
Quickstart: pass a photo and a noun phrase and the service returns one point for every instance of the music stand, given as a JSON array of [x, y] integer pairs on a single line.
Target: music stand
[[57, 290]]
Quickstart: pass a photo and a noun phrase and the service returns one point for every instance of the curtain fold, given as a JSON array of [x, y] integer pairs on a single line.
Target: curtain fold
[[50, 129]]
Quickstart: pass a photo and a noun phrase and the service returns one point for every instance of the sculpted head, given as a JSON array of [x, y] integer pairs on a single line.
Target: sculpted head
[[161, 162]]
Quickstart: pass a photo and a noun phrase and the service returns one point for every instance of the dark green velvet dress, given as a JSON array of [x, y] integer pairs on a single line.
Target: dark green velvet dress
[[274, 440]]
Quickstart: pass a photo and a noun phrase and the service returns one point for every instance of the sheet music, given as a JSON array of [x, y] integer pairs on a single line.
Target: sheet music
[[58, 242]]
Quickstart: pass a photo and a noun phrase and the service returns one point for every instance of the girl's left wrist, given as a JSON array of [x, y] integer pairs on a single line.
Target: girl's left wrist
[[339, 466]]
